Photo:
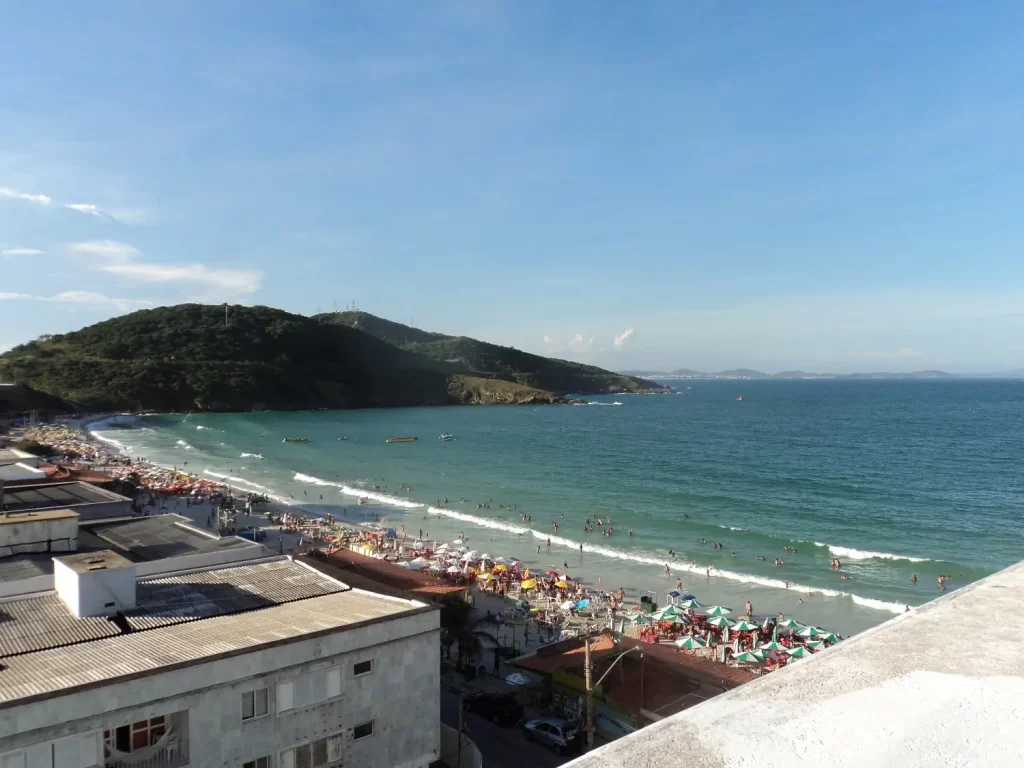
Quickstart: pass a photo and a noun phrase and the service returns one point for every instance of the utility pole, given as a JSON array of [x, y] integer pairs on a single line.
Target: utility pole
[[588, 679], [225, 314]]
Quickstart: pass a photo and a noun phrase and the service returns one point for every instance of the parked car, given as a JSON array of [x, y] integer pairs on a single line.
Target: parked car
[[555, 732], [500, 708]]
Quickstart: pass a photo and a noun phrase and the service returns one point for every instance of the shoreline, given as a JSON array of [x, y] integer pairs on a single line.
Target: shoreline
[[599, 564]]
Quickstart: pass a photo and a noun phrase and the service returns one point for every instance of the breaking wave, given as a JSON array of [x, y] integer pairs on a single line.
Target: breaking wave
[[253, 455], [184, 445], [348, 490], [858, 554]]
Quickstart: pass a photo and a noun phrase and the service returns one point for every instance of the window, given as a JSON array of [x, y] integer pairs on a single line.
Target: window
[[255, 704], [308, 690], [310, 755], [362, 731], [362, 668], [138, 735], [259, 762]]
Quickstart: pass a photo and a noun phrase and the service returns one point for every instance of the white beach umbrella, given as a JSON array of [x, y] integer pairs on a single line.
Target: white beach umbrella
[[568, 604], [437, 568], [485, 556], [454, 569], [500, 561]]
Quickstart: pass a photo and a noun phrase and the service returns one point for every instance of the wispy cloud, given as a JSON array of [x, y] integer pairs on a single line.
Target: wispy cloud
[[87, 208], [121, 259], [550, 341], [21, 252], [82, 298], [623, 338], [14, 194], [110, 250], [580, 343]]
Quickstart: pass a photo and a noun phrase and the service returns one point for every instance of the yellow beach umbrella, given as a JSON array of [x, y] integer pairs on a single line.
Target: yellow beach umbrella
[[526, 573], [529, 584], [489, 577], [562, 584], [500, 567]]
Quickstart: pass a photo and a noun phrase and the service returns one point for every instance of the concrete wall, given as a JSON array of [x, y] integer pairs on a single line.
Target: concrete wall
[[469, 757], [401, 696], [38, 534]]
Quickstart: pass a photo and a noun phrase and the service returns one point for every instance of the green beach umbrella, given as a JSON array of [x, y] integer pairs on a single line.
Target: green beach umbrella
[[816, 644], [799, 652], [641, 618], [689, 604], [677, 619], [667, 612], [690, 643], [718, 610], [751, 657], [810, 631], [721, 621], [829, 638], [743, 626], [772, 646], [789, 624]]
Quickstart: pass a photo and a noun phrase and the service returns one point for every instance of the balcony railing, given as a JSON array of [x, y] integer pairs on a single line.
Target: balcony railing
[[168, 744]]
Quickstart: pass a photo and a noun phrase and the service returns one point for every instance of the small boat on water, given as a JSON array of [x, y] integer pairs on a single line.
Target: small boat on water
[[740, 398], [296, 440], [343, 438], [446, 436], [401, 440]]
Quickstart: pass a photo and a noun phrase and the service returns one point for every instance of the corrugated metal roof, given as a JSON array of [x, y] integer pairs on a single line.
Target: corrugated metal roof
[[102, 661], [200, 595], [35, 623]]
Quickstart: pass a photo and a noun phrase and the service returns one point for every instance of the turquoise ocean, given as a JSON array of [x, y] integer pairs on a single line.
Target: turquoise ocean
[[894, 478]]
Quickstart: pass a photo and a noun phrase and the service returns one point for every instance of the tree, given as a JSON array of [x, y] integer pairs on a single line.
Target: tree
[[460, 625]]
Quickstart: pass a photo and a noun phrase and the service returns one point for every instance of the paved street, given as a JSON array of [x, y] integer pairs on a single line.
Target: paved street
[[500, 747]]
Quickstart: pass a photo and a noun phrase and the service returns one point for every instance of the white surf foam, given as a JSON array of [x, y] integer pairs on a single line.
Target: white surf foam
[[878, 605], [348, 490], [856, 554], [233, 479], [111, 441], [184, 445], [253, 455], [483, 522]]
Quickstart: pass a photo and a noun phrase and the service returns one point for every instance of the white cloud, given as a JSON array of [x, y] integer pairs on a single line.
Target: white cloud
[[87, 208], [111, 250], [235, 280], [122, 259], [579, 343], [81, 297], [623, 338], [27, 196], [21, 252], [549, 341]]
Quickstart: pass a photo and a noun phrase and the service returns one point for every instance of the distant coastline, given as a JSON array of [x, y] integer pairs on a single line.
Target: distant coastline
[[747, 373]]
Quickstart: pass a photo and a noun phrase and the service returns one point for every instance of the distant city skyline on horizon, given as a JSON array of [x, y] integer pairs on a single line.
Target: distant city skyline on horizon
[[826, 188]]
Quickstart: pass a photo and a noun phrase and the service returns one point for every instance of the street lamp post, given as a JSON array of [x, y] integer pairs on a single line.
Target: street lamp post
[[590, 685]]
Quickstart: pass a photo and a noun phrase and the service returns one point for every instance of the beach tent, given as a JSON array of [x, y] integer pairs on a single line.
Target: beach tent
[[720, 621], [743, 626], [690, 643], [718, 610]]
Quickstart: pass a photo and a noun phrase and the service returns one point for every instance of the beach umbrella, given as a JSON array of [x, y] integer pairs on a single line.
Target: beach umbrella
[[442, 547], [582, 604], [750, 657], [789, 624], [816, 645], [500, 567], [568, 604], [665, 613], [690, 643], [436, 567], [718, 610], [561, 584], [810, 631], [551, 573], [677, 619], [500, 561], [720, 621], [454, 569], [641, 618], [489, 577], [485, 556], [799, 652], [829, 638], [772, 646], [688, 602], [743, 626], [528, 584]]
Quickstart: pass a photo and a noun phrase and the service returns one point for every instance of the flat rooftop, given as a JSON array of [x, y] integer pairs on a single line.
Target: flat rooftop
[[55, 495], [940, 685], [180, 620], [139, 539], [14, 518]]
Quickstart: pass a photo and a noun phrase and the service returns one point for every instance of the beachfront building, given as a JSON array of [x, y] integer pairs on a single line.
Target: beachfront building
[[263, 663], [89, 501], [940, 685], [649, 682]]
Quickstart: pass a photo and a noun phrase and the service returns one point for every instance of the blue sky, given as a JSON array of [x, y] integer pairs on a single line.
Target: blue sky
[[655, 184]]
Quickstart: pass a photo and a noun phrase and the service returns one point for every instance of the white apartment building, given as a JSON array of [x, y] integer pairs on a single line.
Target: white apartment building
[[265, 663]]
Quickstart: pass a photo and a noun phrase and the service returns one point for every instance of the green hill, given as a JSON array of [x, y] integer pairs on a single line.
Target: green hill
[[186, 358], [490, 361]]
